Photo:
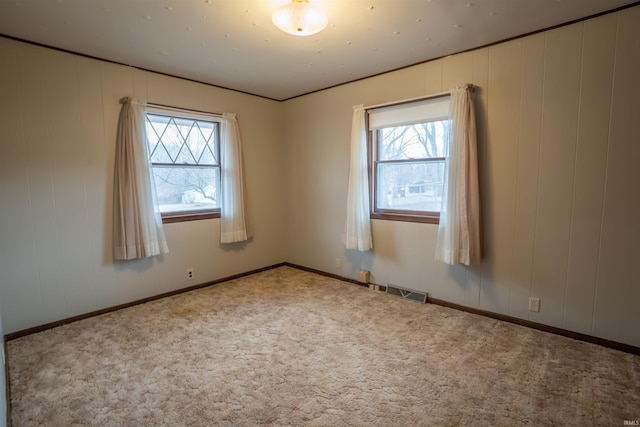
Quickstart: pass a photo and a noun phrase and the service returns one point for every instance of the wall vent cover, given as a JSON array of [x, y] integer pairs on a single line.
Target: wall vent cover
[[407, 294]]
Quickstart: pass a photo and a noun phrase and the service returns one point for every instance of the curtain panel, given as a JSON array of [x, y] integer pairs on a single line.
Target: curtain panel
[[459, 229], [137, 223], [233, 215], [358, 223]]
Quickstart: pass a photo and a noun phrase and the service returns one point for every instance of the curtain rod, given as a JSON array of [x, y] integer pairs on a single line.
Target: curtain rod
[[178, 109], [418, 98]]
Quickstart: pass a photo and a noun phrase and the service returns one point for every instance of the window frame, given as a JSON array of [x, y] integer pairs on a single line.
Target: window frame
[[178, 113], [373, 137]]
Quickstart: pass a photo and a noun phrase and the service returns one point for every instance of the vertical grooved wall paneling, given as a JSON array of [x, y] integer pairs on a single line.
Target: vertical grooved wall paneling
[[503, 118], [589, 177], [561, 94], [616, 314], [558, 131], [528, 160], [58, 120]]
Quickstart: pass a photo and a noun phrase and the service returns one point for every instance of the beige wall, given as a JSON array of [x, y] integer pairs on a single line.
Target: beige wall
[[58, 116], [559, 146], [559, 128]]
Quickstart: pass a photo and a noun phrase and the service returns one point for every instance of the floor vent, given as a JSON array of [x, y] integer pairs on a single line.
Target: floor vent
[[406, 294]]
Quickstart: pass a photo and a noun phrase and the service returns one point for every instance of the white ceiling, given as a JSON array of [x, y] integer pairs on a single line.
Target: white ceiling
[[233, 44]]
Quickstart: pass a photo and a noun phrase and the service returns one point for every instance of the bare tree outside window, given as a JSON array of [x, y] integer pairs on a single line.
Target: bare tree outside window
[[410, 166], [184, 155]]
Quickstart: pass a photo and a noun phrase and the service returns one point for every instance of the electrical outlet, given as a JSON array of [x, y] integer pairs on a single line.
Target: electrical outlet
[[189, 273], [338, 263], [534, 304]]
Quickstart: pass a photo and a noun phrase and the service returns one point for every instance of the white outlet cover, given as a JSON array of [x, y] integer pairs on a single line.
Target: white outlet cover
[[534, 304]]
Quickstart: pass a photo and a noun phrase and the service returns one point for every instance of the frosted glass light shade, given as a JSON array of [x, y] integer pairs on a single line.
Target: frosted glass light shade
[[299, 18]]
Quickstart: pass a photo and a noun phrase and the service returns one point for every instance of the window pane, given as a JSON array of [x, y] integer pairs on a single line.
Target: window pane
[[184, 158], [424, 140], [410, 186], [186, 188], [200, 142], [155, 129], [181, 140]]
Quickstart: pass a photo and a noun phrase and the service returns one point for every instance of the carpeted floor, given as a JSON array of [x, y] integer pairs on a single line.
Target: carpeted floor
[[290, 348]]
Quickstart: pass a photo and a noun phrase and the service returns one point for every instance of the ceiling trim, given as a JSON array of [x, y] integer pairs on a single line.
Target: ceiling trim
[[618, 9], [84, 55], [564, 24]]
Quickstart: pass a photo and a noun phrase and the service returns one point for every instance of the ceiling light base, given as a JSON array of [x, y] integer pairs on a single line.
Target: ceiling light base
[[299, 18]]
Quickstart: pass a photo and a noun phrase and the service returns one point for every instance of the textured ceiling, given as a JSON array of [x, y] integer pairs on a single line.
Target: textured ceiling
[[233, 44]]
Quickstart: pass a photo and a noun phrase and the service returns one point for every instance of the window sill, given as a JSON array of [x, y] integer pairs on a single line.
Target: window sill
[[425, 219], [171, 217]]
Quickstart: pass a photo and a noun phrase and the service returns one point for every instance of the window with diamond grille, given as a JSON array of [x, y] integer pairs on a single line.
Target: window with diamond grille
[[184, 151]]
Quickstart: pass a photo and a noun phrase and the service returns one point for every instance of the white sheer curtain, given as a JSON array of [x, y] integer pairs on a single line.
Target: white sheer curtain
[[137, 224], [459, 230], [358, 224], [233, 223]]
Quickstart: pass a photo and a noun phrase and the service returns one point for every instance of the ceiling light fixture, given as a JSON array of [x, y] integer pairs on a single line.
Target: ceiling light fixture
[[299, 18]]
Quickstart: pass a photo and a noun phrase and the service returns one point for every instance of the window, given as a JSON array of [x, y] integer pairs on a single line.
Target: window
[[184, 151], [407, 149]]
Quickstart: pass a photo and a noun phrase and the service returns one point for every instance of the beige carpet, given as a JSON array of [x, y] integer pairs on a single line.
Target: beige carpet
[[290, 348]]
